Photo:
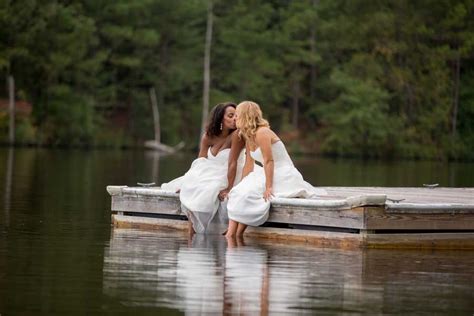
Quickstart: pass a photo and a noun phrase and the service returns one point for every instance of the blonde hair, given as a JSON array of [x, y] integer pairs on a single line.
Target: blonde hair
[[251, 118]]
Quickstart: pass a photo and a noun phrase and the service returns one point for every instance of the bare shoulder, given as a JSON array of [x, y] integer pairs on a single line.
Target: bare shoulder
[[235, 134], [235, 137], [264, 132], [206, 140]]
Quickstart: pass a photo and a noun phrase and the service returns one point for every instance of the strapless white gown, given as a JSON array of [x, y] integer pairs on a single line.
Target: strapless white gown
[[199, 189], [246, 204]]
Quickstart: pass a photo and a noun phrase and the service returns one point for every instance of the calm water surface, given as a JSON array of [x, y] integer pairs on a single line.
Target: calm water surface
[[59, 255]]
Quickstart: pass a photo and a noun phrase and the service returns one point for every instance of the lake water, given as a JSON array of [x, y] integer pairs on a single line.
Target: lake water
[[59, 254]]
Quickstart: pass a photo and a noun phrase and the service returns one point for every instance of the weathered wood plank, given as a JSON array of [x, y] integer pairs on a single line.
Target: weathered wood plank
[[279, 213], [332, 204], [378, 218], [115, 189], [409, 194], [146, 204], [146, 223], [317, 238], [346, 218], [363, 208], [450, 208]]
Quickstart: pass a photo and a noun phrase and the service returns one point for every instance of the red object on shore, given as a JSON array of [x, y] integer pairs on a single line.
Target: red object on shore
[[22, 108]]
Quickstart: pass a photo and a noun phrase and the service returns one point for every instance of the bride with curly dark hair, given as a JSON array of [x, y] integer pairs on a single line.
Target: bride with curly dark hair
[[208, 175]]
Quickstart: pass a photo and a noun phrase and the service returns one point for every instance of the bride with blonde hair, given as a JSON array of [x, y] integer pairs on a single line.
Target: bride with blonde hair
[[249, 201]]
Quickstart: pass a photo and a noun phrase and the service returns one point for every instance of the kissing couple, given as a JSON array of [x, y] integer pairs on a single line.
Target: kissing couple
[[225, 180]]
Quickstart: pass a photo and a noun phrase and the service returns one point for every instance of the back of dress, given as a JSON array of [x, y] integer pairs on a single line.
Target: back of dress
[[279, 153]]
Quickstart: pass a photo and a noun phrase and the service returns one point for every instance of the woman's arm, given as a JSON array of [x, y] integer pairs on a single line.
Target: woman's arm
[[237, 144], [263, 138], [204, 146]]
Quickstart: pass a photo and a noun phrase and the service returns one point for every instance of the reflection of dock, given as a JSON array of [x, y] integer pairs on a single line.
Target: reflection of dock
[[206, 276], [352, 217]]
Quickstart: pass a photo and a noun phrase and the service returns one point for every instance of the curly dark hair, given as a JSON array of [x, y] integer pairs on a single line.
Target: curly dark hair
[[216, 116]]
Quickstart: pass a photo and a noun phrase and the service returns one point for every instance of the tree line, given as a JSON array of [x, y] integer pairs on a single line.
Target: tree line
[[337, 77]]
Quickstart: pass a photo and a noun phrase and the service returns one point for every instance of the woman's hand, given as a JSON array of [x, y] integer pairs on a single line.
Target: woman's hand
[[268, 194], [223, 194]]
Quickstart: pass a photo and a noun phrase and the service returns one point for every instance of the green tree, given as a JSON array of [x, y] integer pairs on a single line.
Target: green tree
[[358, 121]]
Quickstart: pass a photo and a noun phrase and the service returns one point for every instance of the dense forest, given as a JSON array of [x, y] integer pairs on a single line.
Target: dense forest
[[346, 78]]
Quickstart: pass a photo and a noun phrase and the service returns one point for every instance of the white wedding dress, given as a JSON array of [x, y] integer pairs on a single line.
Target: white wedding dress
[[200, 187], [246, 204]]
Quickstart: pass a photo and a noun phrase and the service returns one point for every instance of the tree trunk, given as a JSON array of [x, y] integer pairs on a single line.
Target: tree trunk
[[156, 167], [312, 42], [11, 109], [156, 115], [207, 67], [456, 95], [8, 184]]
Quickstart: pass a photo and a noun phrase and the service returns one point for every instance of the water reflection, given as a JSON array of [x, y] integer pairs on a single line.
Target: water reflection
[[57, 253], [246, 280], [209, 276], [8, 185], [154, 159]]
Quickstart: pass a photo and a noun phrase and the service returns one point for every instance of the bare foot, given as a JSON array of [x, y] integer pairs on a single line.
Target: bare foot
[[229, 235], [240, 240], [231, 243]]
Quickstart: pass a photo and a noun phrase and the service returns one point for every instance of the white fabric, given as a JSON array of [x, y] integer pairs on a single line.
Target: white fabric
[[199, 189], [246, 204], [199, 278], [245, 274]]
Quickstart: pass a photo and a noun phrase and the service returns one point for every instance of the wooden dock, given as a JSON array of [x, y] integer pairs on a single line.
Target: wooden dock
[[348, 217]]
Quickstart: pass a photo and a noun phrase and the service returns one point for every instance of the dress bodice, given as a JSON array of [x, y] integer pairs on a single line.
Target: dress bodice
[[221, 156], [280, 155]]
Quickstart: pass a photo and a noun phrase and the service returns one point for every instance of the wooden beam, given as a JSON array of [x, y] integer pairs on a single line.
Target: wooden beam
[[346, 218], [377, 219], [434, 208], [317, 238], [147, 204], [146, 223]]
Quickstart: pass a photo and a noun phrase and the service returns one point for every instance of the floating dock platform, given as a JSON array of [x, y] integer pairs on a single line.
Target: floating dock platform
[[348, 217]]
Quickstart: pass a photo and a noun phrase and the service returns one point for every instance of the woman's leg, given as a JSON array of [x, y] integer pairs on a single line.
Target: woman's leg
[[231, 230], [231, 242], [191, 231], [241, 229]]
